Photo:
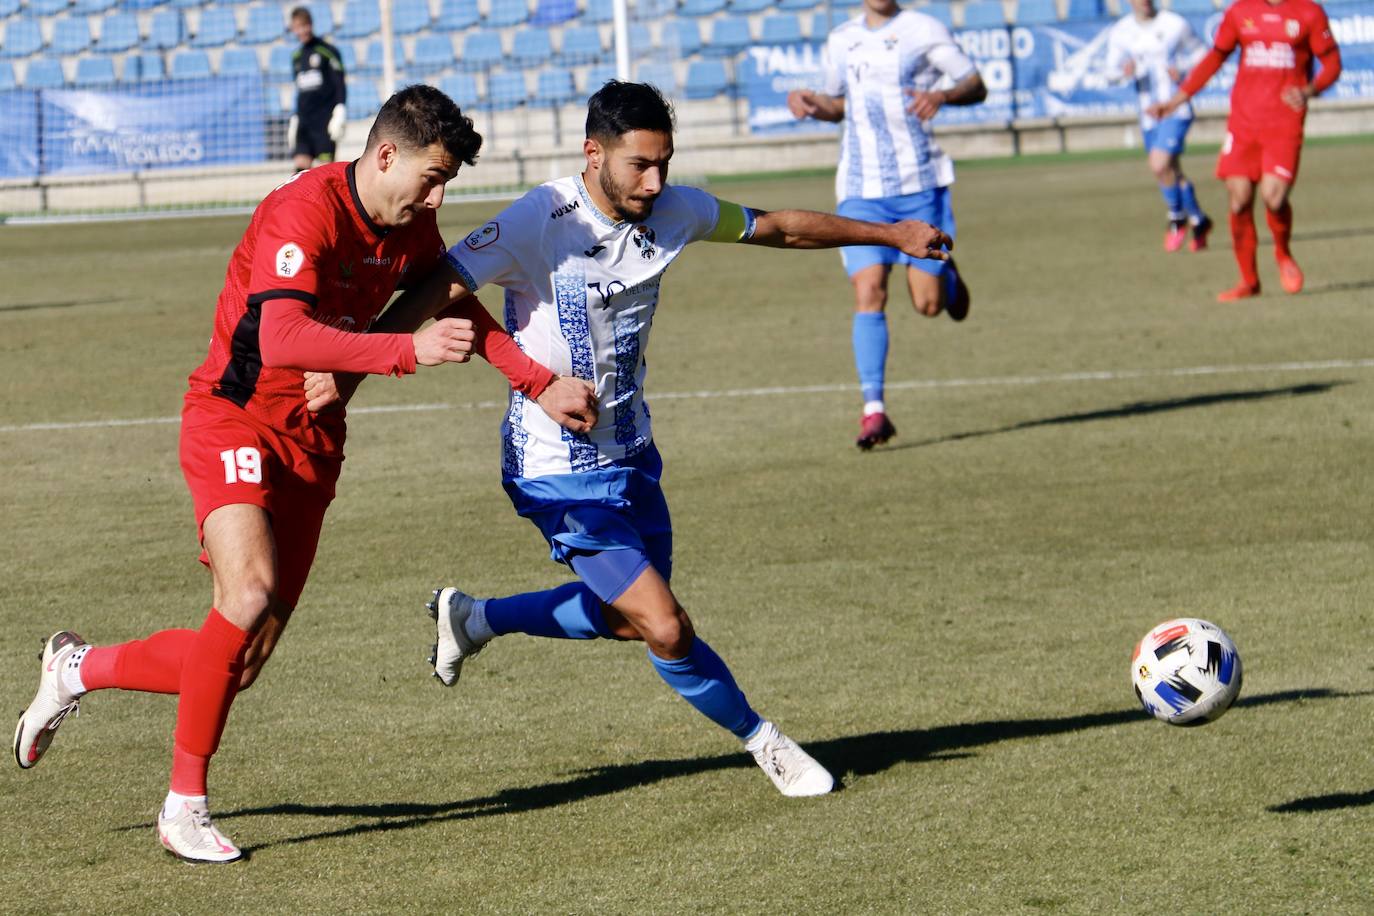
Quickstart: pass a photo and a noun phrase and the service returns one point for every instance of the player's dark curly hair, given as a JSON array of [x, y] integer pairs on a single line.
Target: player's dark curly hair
[[618, 108], [420, 116]]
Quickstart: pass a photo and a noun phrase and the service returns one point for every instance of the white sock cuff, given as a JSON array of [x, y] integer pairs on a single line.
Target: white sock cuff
[[477, 628], [766, 732], [71, 671]]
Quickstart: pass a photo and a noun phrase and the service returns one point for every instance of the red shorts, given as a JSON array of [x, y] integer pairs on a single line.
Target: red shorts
[[229, 458], [1250, 155]]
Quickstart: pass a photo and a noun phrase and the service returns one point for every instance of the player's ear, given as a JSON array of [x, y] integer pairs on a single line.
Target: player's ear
[[386, 155], [593, 151]]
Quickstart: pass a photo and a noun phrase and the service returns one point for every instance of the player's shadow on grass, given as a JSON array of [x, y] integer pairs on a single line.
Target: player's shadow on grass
[[1134, 409], [856, 755], [1332, 802]]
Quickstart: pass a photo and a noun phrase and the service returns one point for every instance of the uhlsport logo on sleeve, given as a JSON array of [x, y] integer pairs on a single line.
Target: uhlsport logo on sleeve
[[483, 237], [290, 259]]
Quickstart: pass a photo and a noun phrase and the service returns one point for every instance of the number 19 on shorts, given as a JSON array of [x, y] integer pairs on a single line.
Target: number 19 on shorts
[[242, 465]]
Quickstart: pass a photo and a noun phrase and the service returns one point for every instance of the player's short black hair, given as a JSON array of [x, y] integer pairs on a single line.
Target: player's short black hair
[[618, 108], [420, 116], [302, 12]]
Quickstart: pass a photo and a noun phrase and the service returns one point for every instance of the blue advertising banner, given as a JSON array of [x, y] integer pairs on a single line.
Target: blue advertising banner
[[18, 134], [1056, 70], [189, 122]]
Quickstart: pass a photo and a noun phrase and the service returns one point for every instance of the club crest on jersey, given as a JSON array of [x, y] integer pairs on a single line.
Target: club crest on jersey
[[483, 237], [1291, 27], [644, 241], [290, 259], [890, 43]]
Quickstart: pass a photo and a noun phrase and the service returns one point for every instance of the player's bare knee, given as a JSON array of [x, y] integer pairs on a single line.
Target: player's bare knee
[[926, 302], [670, 637], [869, 295], [247, 604]]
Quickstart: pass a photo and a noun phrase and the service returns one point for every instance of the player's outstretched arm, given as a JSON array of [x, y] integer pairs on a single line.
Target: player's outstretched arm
[[805, 229]]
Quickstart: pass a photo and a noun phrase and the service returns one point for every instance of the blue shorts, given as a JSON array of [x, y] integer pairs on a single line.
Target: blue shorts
[[931, 206], [609, 525], [1168, 135]]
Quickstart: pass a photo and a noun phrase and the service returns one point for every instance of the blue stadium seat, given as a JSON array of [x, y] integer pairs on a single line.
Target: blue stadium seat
[[599, 11], [70, 36], [371, 62], [361, 18], [190, 65], [7, 80], [937, 11], [363, 100], [742, 7], [658, 74], [118, 33], [264, 25], [1202, 7], [7, 9], [641, 42], [984, 14], [462, 88], [596, 78], [581, 45], [531, 48], [348, 56], [165, 30], [177, 4], [706, 79], [144, 66], [1084, 9], [552, 12], [729, 36], [681, 37], [781, 29], [846, 4], [654, 10], [1035, 12], [481, 51], [22, 38], [821, 27], [553, 88], [91, 7], [506, 90], [409, 16], [238, 62], [432, 53], [92, 72], [700, 7], [279, 64], [457, 15], [321, 16], [797, 6], [217, 27], [45, 8], [272, 102], [44, 73], [507, 13]]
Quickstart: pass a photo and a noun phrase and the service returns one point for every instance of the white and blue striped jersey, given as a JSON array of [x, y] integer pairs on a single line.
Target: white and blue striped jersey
[[885, 151], [1156, 44], [581, 290]]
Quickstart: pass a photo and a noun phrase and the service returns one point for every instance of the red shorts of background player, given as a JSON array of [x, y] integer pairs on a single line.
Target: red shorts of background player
[[229, 458], [1250, 155]]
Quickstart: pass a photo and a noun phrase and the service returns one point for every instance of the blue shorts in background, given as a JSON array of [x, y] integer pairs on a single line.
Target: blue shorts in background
[[600, 514], [931, 206], [1168, 135]]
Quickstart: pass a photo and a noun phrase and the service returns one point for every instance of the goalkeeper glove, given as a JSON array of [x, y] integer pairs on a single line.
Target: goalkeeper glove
[[291, 127], [336, 123]]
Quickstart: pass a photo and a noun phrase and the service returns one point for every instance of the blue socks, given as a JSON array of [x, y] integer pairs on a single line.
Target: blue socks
[[1173, 199], [1190, 204], [703, 680], [569, 611], [870, 352]]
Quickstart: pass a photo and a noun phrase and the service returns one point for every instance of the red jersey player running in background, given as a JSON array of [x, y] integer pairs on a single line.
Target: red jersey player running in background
[[1278, 41], [319, 261]]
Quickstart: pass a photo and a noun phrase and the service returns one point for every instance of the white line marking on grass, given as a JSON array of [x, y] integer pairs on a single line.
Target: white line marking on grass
[[1105, 375]]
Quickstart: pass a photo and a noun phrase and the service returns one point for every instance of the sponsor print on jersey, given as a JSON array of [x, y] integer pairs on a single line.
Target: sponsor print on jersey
[[290, 259], [1270, 55], [481, 238]]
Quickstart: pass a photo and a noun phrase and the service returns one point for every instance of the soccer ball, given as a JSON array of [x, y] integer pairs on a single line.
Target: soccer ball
[[1186, 672]]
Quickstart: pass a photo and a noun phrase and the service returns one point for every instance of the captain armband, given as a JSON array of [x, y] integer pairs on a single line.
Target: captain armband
[[735, 224]]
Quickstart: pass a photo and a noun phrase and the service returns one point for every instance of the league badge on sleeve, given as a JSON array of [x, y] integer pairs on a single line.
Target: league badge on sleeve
[[483, 237], [290, 259]]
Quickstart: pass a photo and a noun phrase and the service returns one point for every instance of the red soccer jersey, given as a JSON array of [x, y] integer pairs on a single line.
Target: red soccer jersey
[[315, 257], [1278, 42]]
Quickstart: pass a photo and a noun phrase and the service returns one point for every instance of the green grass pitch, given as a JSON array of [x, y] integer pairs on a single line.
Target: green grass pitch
[[945, 622]]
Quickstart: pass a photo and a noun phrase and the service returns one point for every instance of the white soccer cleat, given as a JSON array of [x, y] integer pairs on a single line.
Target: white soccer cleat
[[451, 610], [795, 772], [191, 836], [51, 704]]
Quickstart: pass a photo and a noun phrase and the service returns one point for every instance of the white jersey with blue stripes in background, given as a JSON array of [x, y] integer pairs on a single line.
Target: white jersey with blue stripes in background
[[1156, 44], [581, 290], [885, 151]]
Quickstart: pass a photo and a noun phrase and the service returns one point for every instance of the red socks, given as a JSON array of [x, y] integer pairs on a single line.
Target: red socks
[[152, 665], [1281, 225], [209, 680], [1243, 242]]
